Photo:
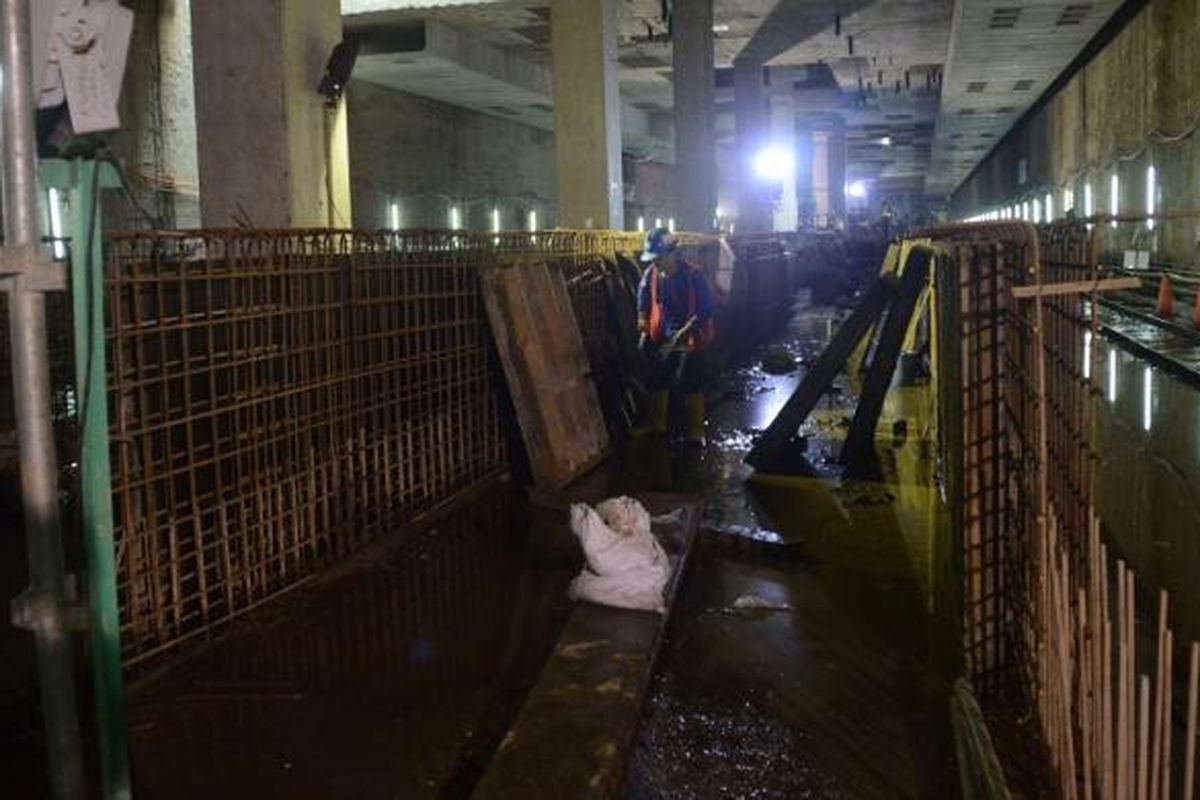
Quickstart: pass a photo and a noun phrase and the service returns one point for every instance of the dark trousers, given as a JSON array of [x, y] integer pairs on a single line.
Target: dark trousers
[[672, 368]]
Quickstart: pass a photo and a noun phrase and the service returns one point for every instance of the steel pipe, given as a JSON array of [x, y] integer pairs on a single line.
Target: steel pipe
[[42, 607]]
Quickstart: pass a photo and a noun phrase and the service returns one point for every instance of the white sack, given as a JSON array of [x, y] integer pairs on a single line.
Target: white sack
[[626, 566]]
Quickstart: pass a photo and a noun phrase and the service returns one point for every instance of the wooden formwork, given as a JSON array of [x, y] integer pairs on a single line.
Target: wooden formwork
[[547, 368]]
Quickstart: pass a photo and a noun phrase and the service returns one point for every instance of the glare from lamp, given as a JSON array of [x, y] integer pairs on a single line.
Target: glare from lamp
[[886, 141], [774, 164], [857, 189]]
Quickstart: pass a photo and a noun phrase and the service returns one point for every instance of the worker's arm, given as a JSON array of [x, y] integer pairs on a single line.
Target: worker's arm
[[704, 307]]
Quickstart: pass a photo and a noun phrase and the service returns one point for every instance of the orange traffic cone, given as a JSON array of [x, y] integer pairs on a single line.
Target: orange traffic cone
[[1196, 311], [1166, 300]]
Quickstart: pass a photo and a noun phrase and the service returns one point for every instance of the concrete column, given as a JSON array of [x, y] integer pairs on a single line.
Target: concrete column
[[587, 113], [695, 115], [837, 170], [829, 172], [805, 199], [268, 148], [752, 213], [822, 201], [785, 213]]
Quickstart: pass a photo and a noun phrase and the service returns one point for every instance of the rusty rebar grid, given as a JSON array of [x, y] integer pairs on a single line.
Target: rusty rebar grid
[[279, 400]]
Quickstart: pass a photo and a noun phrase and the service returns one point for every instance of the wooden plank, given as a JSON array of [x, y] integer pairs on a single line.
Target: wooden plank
[[547, 369], [859, 448], [573, 735], [818, 379], [1076, 287], [981, 776]]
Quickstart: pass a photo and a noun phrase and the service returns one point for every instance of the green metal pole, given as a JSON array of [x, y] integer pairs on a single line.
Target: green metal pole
[[83, 180]]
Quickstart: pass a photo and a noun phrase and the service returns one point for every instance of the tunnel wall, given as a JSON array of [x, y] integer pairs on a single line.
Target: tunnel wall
[[1132, 104], [428, 156]]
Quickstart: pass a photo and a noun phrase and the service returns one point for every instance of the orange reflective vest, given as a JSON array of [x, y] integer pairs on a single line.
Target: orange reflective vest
[[699, 337]]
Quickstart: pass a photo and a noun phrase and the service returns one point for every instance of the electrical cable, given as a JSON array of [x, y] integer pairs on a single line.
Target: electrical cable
[[157, 222]]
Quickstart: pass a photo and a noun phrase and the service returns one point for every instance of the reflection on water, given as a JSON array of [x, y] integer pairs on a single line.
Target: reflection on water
[[373, 685], [1148, 476]]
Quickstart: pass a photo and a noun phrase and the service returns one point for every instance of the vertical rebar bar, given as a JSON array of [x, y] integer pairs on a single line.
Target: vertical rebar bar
[[31, 395]]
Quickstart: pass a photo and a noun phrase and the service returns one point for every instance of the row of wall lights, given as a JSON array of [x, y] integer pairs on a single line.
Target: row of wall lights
[[455, 218], [1032, 212], [658, 223]]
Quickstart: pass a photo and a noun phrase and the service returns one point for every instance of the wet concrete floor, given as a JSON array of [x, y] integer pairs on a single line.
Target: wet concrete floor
[[808, 677], [394, 679]]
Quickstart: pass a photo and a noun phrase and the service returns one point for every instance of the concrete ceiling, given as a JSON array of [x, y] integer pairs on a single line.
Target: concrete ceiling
[[942, 80], [1003, 55], [469, 66]]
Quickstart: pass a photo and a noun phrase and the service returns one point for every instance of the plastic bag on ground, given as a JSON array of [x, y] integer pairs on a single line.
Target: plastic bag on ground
[[626, 566]]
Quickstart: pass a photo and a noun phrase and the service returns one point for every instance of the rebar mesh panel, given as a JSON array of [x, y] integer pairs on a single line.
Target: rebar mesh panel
[[1026, 442], [278, 400]]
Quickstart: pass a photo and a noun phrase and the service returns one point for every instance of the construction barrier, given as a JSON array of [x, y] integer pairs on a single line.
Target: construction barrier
[[279, 399]]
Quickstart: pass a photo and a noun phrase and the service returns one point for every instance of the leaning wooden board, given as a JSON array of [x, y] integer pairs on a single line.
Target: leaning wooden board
[[547, 369]]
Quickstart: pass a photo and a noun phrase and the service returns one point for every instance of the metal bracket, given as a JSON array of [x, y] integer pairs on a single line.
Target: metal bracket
[[64, 174], [40, 610], [30, 268], [85, 61]]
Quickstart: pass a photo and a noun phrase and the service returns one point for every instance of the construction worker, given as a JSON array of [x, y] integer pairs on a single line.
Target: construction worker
[[675, 321]]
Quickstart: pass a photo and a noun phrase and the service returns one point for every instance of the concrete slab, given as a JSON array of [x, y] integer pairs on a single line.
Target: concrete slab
[[573, 736]]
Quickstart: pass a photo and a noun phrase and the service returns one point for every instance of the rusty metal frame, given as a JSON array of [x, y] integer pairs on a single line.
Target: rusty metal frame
[[279, 400], [282, 398]]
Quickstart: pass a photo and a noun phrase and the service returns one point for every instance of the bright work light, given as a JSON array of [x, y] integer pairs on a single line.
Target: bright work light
[[774, 164]]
